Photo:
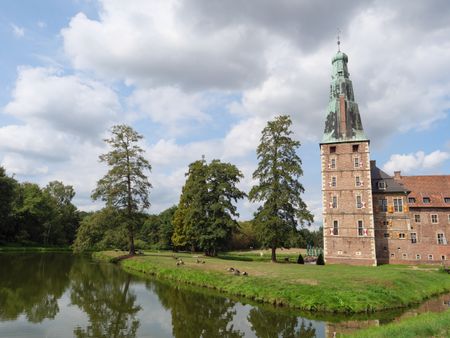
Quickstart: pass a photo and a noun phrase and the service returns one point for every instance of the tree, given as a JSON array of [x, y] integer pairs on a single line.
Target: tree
[[66, 218], [8, 187], [279, 189], [205, 215], [125, 186]]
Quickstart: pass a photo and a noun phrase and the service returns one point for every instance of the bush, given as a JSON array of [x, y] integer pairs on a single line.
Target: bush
[[320, 260], [300, 259]]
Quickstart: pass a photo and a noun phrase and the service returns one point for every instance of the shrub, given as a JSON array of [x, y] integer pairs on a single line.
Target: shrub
[[300, 259], [320, 260]]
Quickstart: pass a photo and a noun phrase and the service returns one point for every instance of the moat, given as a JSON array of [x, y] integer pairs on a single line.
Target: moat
[[61, 295]]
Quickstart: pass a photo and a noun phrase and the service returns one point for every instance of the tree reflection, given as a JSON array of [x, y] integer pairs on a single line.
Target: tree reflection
[[196, 314], [105, 297], [268, 324], [31, 284]]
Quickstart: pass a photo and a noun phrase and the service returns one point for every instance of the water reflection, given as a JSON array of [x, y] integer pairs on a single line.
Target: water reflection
[[31, 285], [106, 298], [266, 324], [197, 314]]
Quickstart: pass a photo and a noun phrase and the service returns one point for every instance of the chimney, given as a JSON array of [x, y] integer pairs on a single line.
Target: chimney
[[397, 175], [373, 163]]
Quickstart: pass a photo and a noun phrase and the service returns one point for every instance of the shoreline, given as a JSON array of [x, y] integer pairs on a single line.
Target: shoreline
[[287, 285]]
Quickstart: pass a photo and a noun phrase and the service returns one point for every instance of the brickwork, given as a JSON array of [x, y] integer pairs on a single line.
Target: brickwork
[[347, 200]]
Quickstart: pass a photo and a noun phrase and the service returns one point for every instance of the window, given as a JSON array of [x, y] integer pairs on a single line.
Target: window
[[360, 228], [434, 218], [356, 162], [333, 181], [401, 235], [333, 163], [430, 257], [398, 204], [355, 148], [417, 256], [417, 218], [404, 255], [382, 185], [382, 203], [411, 200], [332, 149], [426, 200], [386, 235], [413, 237], [335, 228], [447, 199], [443, 258], [392, 255], [449, 218], [359, 203], [334, 202], [357, 181], [441, 239]]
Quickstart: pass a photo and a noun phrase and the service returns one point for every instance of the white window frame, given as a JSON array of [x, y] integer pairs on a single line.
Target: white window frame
[[418, 256], [358, 182], [381, 185], [383, 204], [441, 238], [334, 202], [333, 163], [401, 235], [356, 162], [417, 218], [413, 237], [430, 257], [436, 221], [333, 181], [398, 204], [360, 228]]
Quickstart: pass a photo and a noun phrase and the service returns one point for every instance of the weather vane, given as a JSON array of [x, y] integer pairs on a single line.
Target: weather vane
[[339, 39]]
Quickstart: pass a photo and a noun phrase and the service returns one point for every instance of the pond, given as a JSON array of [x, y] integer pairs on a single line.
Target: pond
[[58, 295]]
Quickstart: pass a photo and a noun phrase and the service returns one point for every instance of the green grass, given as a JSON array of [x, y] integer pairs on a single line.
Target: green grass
[[331, 288], [423, 325]]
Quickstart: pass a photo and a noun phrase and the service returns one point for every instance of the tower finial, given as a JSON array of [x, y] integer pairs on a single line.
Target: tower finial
[[339, 39]]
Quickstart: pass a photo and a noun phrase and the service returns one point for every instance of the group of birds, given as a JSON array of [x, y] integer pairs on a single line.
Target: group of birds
[[236, 272]]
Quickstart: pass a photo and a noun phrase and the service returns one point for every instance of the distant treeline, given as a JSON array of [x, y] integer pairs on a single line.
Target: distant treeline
[[31, 215]]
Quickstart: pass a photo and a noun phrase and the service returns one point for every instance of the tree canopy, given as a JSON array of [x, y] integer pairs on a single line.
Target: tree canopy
[[205, 218], [278, 188], [125, 187]]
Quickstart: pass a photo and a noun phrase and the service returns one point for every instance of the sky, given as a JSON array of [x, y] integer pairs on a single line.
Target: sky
[[203, 77]]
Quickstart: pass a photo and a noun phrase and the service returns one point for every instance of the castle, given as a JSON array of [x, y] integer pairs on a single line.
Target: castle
[[370, 217]]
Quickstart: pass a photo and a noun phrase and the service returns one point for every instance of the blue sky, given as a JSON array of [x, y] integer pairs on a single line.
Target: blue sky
[[203, 77]]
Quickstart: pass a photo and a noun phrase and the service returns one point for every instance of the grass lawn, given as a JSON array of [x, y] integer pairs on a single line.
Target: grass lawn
[[333, 288], [424, 325]]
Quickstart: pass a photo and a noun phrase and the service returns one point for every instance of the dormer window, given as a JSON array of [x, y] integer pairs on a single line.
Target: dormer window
[[426, 200], [332, 149], [411, 200], [355, 148], [447, 200], [382, 185]]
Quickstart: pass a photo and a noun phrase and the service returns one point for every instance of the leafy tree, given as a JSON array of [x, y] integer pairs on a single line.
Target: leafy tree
[[279, 189], [8, 187], [66, 218], [244, 237], [157, 230], [104, 229], [205, 215], [125, 186]]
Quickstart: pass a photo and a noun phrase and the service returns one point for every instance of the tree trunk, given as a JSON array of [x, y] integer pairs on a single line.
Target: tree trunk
[[131, 240], [274, 256]]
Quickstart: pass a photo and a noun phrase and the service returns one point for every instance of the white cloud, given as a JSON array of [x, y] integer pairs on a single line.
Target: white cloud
[[19, 165], [68, 103], [415, 162], [18, 32]]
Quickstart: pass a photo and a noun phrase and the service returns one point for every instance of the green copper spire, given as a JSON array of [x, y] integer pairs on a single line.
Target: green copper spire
[[343, 121]]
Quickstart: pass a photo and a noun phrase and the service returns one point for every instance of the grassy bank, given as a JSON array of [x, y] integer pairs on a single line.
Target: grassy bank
[[424, 325], [332, 288]]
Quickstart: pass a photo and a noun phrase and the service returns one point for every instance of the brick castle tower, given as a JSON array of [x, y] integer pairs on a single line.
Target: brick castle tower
[[348, 222]]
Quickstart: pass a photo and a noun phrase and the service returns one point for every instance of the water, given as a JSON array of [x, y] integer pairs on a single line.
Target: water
[[57, 295]]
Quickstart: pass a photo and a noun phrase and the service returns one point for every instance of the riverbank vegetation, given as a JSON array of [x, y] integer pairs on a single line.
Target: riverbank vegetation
[[332, 288], [422, 326]]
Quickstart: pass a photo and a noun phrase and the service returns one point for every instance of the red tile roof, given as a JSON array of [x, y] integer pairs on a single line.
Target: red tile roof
[[436, 187]]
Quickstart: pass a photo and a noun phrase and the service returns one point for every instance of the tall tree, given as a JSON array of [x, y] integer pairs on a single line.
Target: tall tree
[[279, 189], [205, 216], [8, 186], [125, 186]]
